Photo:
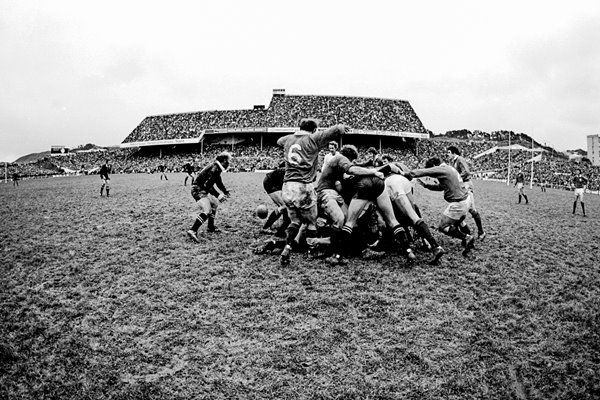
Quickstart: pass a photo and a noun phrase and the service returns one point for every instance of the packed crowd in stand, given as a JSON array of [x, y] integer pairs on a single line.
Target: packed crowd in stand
[[284, 111], [553, 172]]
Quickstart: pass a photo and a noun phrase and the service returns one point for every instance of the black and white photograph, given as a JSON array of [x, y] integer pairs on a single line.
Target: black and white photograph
[[299, 200]]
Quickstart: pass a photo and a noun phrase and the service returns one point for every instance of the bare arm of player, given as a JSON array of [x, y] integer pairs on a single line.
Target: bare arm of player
[[360, 171], [323, 138], [430, 186]]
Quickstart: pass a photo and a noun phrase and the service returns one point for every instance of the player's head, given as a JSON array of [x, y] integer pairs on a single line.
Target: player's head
[[349, 151], [309, 124], [107, 161], [372, 152], [433, 162], [333, 146], [453, 151], [577, 171], [386, 159], [225, 159]]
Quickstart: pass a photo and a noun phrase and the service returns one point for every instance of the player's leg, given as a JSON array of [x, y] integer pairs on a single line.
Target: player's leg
[[214, 205], [387, 212], [102, 187], [406, 207], [107, 181], [450, 222], [277, 212], [293, 195], [336, 210], [581, 201], [524, 195], [477, 218], [205, 208]]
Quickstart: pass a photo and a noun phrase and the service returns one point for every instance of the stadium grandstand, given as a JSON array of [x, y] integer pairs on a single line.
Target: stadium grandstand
[[372, 117], [391, 126]]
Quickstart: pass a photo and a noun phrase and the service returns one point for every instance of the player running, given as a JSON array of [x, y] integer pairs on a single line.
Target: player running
[[462, 166], [105, 170], [579, 183], [459, 201], [204, 192], [301, 152]]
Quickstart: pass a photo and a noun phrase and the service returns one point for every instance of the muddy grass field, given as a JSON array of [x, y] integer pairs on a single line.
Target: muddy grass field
[[106, 298]]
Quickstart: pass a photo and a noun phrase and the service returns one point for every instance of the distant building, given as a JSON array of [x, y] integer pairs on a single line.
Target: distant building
[[593, 149]]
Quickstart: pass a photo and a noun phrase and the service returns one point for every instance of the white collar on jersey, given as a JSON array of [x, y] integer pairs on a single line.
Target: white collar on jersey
[[221, 166]]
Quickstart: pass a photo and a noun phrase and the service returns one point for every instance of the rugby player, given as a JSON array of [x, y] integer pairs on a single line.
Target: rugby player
[[105, 170], [204, 192], [520, 184], [461, 165], [272, 183], [400, 190], [301, 152], [371, 189], [459, 201], [188, 168], [162, 169], [330, 200], [333, 151], [579, 183]]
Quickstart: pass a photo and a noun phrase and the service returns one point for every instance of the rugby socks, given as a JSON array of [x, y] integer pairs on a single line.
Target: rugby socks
[[211, 222], [519, 199], [291, 233], [102, 189], [454, 232], [418, 211], [281, 231], [477, 219], [199, 221], [574, 206], [345, 237], [400, 235], [464, 228], [423, 230], [272, 218], [336, 240], [526, 200], [583, 208]]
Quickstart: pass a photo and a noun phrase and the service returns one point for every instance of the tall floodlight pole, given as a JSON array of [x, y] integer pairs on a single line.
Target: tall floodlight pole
[[531, 178], [508, 176]]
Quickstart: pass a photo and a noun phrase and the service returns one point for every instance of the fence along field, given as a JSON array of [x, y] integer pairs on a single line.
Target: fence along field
[[107, 298]]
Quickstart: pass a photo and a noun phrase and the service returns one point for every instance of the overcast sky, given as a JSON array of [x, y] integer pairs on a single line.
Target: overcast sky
[[77, 72]]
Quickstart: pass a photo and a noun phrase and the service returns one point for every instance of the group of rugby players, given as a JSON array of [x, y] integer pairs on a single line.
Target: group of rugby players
[[356, 208]]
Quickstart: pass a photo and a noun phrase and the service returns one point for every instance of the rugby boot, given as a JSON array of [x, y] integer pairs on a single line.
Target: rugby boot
[[192, 235], [438, 252]]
